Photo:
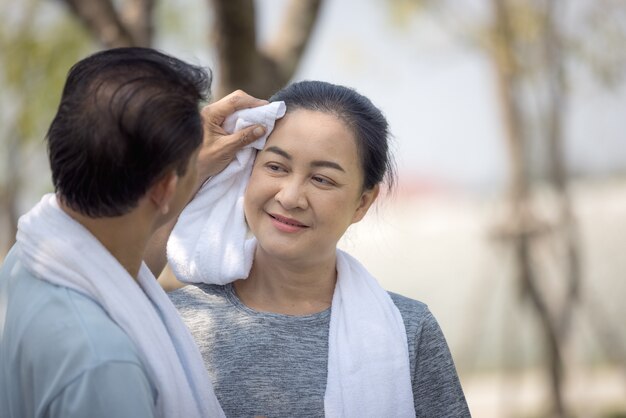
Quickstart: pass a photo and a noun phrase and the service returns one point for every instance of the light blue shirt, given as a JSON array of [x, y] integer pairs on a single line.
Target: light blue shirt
[[62, 356]]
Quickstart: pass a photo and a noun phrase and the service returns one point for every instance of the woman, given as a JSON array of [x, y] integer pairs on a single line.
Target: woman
[[309, 332]]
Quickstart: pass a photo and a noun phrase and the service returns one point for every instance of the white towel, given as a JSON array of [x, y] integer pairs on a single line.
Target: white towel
[[56, 248], [368, 355], [216, 212], [368, 358]]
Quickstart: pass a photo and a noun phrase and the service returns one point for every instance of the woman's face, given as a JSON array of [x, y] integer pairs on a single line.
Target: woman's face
[[306, 187]]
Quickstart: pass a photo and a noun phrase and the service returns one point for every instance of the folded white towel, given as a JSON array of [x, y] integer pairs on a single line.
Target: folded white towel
[[209, 238], [368, 358], [56, 248]]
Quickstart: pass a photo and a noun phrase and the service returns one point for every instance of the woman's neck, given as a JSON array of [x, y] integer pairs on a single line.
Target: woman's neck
[[286, 288]]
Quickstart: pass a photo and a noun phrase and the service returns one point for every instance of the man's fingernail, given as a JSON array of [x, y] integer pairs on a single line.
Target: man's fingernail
[[258, 131]]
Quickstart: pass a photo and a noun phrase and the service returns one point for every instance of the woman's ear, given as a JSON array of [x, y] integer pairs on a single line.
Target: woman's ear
[[365, 201], [163, 190]]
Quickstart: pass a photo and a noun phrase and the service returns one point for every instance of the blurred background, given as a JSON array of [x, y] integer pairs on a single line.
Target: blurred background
[[509, 123]]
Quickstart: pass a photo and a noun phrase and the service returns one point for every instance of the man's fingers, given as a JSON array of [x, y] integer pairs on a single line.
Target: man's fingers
[[250, 134], [219, 150], [244, 137], [237, 100]]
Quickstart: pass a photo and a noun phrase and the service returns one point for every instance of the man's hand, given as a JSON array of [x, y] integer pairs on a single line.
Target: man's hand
[[219, 147]]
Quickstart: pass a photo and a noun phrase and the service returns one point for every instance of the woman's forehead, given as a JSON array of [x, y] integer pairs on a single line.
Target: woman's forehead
[[315, 139], [302, 124]]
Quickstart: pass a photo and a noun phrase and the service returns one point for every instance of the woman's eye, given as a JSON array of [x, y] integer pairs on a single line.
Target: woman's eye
[[273, 167], [322, 180]]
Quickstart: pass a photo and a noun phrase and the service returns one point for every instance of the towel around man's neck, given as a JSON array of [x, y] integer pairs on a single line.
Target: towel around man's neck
[[368, 358], [57, 249]]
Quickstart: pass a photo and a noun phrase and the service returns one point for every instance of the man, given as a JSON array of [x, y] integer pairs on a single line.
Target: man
[[85, 330]]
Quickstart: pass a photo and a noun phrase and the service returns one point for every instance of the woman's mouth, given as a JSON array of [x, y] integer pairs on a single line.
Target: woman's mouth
[[286, 224]]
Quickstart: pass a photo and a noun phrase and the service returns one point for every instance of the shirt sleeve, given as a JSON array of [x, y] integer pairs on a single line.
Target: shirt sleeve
[[437, 390], [114, 389]]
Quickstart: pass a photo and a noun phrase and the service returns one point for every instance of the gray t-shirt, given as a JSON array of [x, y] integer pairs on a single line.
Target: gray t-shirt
[[275, 365]]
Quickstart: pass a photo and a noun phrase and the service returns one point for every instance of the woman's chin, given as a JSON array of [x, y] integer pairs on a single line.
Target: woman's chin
[[282, 253], [293, 255]]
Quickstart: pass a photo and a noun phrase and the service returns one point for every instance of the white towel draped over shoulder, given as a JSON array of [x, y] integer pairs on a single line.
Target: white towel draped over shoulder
[[368, 354], [368, 358], [56, 248]]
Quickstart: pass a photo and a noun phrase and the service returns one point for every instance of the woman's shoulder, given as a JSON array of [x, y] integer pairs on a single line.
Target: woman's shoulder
[[415, 314], [410, 307]]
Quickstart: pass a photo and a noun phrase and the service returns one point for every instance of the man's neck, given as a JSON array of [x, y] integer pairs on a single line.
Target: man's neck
[[125, 237]]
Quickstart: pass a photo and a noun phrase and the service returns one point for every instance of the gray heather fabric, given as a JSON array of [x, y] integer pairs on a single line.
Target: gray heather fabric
[[275, 365]]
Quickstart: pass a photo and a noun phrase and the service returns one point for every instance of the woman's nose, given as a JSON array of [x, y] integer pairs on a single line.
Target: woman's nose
[[292, 195]]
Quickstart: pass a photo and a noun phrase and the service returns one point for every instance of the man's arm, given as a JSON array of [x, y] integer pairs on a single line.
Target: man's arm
[[218, 150]]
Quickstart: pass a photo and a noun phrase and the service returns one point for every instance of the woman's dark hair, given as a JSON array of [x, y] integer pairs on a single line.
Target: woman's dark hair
[[126, 116], [365, 120]]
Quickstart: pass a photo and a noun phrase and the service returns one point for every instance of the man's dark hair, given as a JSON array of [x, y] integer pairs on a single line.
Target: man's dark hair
[[126, 116]]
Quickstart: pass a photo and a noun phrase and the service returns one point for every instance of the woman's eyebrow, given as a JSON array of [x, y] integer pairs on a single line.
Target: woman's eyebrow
[[278, 151], [316, 163], [328, 164]]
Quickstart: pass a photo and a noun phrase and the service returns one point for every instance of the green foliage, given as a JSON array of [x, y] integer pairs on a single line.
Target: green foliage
[[38, 43], [402, 11], [182, 26], [37, 48], [616, 414]]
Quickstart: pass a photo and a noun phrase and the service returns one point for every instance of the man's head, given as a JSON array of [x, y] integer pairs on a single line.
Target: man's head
[[126, 117]]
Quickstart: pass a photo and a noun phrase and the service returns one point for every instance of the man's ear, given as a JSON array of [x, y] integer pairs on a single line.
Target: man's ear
[[365, 201], [163, 190]]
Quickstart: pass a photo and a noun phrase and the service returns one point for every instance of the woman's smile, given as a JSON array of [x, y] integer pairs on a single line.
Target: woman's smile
[[285, 224]]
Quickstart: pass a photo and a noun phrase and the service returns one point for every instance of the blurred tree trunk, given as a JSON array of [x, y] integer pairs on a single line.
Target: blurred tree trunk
[[556, 109], [260, 70], [129, 26], [525, 229], [530, 43]]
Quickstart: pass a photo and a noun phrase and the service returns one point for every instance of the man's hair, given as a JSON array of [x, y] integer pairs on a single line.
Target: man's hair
[[127, 115]]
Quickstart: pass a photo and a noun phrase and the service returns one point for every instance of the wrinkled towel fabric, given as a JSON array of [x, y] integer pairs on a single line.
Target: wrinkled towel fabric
[[368, 359], [208, 243], [57, 249]]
